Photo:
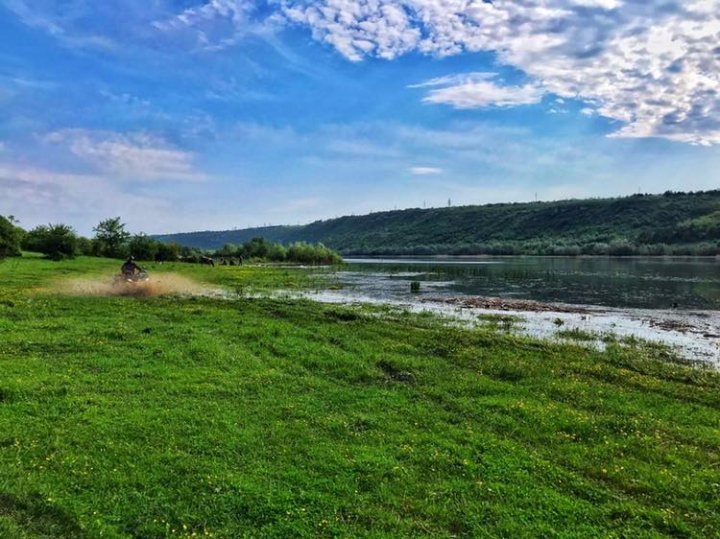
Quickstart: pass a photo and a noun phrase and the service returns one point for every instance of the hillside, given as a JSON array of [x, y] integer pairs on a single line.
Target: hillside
[[671, 223]]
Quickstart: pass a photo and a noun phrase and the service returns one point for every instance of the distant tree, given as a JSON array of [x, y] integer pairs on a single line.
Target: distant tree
[[229, 249], [256, 248], [276, 253], [308, 253], [86, 246], [32, 241], [168, 252], [191, 254], [621, 247], [143, 247], [112, 236], [54, 241], [10, 237]]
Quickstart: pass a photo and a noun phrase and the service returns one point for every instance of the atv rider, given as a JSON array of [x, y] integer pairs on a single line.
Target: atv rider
[[130, 268]]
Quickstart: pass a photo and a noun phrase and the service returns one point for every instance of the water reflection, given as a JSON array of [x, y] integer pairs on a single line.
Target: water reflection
[[654, 283]]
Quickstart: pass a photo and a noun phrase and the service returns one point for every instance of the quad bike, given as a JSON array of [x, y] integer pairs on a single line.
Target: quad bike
[[131, 278]]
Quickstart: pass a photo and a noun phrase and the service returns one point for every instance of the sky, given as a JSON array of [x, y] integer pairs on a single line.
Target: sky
[[182, 115]]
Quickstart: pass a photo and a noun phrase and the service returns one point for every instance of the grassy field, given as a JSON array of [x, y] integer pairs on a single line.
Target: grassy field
[[195, 416]]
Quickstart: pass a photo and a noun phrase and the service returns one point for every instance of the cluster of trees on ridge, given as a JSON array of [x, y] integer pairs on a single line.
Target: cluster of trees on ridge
[[671, 223], [112, 240], [262, 249]]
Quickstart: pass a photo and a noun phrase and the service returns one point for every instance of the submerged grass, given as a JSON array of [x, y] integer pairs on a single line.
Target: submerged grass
[[577, 334], [182, 417], [505, 322]]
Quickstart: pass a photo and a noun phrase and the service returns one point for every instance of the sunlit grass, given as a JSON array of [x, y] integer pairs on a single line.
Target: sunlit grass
[[168, 417]]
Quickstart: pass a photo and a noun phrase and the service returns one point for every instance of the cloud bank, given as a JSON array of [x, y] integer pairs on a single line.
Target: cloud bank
[[651, 65], [139, 156]]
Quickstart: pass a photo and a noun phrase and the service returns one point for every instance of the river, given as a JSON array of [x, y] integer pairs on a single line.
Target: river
[[687, 283]]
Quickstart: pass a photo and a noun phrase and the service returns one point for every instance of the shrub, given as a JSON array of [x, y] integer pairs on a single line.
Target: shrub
[[143, 247], [307, 253], [54, 241], [168, 252], [10, 236]]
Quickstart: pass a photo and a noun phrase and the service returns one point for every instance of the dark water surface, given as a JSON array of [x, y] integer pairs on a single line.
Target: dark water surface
[[651, 283]]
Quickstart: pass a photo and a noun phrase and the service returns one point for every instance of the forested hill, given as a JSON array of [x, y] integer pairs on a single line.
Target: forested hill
[[671, 223]]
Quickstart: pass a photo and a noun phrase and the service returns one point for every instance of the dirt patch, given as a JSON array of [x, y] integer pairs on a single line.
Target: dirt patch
[[674, 325], [166, 284], [503, 304]]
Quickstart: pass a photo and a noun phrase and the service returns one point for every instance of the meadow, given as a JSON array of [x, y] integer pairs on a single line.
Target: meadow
[[241, 415]]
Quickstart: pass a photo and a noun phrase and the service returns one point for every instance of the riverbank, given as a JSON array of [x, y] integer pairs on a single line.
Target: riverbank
[[693, 336]]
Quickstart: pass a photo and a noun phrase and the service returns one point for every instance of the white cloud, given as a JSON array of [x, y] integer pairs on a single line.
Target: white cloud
[[39, 195], [380, 28], [472, 95], [652, 65], [219, 24], [235, 10], [132, 156], [455, 79], [425, 171]]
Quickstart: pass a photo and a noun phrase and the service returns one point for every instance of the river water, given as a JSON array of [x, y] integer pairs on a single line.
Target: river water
[[641, 283], [670, 301]]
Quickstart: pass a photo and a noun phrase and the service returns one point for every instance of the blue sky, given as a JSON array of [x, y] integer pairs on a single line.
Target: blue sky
[[191, 115]]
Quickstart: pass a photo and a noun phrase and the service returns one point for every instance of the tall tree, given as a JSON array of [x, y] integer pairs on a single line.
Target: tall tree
[[112, 236]]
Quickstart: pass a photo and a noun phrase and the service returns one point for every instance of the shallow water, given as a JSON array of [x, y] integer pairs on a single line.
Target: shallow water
[[641, 283], [694, 336]]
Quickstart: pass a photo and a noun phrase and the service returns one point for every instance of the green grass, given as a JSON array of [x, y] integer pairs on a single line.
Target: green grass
[[172, 417], [505, 322], [577, 334]]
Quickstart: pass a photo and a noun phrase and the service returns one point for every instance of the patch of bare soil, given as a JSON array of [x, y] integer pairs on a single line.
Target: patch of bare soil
[[166, 284], [674, 325], [503, 304]]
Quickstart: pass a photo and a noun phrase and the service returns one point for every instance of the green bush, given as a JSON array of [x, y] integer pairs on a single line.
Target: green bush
[[54, 241], [308, 253], [10, 237], [168, 252], [143, 247]]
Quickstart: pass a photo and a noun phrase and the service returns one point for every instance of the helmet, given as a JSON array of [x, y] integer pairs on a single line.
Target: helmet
[[131, 259]]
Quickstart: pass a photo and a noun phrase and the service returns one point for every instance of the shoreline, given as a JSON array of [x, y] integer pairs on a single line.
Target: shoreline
[[694, 335], [353, 257]]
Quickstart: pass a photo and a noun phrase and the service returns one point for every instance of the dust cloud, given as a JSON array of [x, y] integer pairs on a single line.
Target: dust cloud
[[166, 284]]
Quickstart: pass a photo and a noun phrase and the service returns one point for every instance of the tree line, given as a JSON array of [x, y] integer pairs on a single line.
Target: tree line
[[298, 252], [112, 240], [671, 223], [615, 247]]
